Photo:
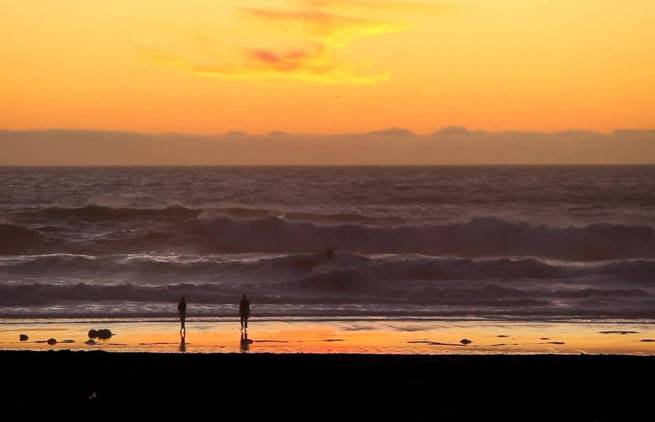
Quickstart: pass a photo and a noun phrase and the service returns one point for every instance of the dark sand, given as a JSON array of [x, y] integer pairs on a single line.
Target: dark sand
[[308, 386]]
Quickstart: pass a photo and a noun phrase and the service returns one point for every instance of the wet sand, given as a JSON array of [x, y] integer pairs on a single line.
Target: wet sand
[[358, 337]]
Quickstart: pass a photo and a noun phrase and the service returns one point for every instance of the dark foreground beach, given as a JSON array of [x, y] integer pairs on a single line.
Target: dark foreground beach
[[311, 386]]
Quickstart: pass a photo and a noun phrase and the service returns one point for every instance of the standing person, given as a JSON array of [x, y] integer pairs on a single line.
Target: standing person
[[244, 312], [181, 309]]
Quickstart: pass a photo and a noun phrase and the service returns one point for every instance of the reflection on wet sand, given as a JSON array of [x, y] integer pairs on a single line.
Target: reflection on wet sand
[[183, 340], [410, 337], [245, 342]]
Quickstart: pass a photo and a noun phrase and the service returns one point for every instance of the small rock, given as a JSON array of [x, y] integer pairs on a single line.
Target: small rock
[[52, 341], [90, 342], [23, 337], [104, 334], [465, 341]]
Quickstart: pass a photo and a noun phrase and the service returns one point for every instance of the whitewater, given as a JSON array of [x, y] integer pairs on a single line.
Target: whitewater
[[566, 242]]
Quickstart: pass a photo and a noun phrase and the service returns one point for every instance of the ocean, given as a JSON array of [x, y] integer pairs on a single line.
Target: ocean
[[524, 243]]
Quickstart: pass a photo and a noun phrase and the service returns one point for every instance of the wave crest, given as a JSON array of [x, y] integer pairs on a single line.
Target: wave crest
[[480, 237], [486, 236]]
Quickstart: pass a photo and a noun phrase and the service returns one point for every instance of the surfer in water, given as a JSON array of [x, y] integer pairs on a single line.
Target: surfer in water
[[244, 312], [181, 309]]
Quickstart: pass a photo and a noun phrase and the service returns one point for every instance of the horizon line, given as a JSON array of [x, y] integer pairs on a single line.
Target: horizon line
[[582, 164]]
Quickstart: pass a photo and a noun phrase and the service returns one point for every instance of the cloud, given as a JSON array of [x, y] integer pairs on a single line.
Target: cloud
[[309, 65], [289, 61], [392, 132], [372, 5], [314, 17], [329, 28], [390, 147], [317, 34]]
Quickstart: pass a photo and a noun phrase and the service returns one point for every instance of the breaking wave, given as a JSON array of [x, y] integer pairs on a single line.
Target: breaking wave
[[314, 270], [96, 212], [486, 236]]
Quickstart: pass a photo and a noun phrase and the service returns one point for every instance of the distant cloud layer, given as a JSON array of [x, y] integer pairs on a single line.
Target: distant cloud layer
[[449, 146]]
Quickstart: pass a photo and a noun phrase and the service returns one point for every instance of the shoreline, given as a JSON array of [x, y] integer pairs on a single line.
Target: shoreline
[[320, 318]]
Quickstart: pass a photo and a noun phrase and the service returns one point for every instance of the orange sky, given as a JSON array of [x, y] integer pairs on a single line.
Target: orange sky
[[322, 66]]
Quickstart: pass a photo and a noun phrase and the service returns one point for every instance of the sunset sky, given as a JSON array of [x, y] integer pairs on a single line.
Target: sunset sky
[[321, 66]]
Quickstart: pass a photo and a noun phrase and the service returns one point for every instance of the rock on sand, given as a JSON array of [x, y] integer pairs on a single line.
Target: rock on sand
[[102, 334]]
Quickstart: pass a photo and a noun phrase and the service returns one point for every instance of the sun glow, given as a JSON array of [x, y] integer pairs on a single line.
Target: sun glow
[[327, 66]]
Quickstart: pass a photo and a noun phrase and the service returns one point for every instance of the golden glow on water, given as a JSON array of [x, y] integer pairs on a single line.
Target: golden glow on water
[[411, 337]]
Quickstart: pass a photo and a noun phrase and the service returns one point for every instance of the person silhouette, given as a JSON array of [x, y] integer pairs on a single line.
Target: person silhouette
[[244, 312], [181, 309]]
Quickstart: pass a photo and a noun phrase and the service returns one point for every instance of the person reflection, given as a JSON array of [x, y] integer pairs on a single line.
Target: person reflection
[[245, 341], [182, 341]]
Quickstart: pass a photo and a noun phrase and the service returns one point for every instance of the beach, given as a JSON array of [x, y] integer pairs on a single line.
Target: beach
[[330, 336], [365, 368]]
